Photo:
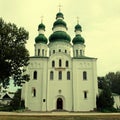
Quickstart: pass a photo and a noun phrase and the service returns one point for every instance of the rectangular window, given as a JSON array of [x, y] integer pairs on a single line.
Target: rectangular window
[[84, 75], [85, 94], [60, 75]]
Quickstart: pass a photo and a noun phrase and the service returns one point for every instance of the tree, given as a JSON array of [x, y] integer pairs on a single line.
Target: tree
[[13, 54], [105, 99], [16, 101], [114, 81]]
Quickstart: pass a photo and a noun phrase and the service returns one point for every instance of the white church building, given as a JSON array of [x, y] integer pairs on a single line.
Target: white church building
[[62, 77]]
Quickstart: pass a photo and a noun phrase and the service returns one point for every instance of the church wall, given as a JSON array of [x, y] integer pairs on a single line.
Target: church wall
[[59, 88], [35, 102], [81, 86]]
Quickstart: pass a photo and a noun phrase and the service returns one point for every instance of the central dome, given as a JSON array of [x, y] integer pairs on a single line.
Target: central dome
[[59, 35], [59, 22]]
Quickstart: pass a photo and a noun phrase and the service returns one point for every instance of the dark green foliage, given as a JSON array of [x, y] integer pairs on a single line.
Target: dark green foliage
[[16, 101], [114, 81], [105, 99], [13, 54]]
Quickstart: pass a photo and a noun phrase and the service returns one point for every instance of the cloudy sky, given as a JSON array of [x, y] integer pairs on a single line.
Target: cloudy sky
[[100, 21]]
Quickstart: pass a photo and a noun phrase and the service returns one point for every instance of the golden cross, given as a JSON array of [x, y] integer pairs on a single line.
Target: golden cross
[[77, 20], [60, 7], [41, 19]]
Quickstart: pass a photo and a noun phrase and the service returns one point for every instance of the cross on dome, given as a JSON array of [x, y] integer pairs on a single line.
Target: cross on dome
[[77, 20], [42, 19], [60, 7]]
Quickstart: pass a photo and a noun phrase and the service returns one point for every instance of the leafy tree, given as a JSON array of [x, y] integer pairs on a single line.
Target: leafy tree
[[16, 102], [105, 99], [114, 81], [13, 54]]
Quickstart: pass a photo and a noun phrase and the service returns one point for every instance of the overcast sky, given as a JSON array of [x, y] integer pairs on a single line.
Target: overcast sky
[[100, 21]]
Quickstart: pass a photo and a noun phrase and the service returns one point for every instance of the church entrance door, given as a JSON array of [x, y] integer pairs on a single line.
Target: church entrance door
[[59, 104]]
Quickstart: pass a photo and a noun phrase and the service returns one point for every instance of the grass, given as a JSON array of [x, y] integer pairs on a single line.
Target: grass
[[7, 117]]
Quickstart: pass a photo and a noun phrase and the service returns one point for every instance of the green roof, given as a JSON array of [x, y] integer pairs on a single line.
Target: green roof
[[59, 35], [41, 39], [83, 57], [59, 15], [59, 22], [78, 39], [78, 27], [41, 26]]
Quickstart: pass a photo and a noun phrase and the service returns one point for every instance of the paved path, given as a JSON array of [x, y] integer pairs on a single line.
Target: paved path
[[55, 114]]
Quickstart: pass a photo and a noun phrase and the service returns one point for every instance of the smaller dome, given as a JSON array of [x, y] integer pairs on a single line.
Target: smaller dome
[[78, 27], [41, 39], [78, 40], [59, 35], [59, 22], [41, 26], [59, 15]]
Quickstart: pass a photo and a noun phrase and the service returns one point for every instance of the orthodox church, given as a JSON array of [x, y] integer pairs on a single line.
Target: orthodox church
[[62, 77]]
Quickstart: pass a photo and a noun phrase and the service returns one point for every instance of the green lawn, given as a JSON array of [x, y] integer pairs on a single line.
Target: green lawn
[[60, 118]]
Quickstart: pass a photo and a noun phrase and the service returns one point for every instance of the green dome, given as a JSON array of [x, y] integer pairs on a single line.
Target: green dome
[[59, 35], [78, 27], [59, 15], [41, 26], [41, 39], [59, 22], [78, 39]]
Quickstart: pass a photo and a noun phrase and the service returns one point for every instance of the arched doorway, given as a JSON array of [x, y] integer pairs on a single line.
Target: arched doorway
[[59, 104]]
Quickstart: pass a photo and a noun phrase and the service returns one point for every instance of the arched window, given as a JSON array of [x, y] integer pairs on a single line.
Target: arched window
[[43, 52], [68, 75], [65, 51], [33, 92], [80, 52], [35, 75], [60, 62], [60, 75], [67, 64], [50, 53], [53, 63], [84, 75], [85, 95], [38, 52], [76, 53], [53, 51], [59, 50], [51, 75]]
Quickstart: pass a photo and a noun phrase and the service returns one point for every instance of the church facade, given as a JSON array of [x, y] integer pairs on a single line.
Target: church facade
[[62, 77]]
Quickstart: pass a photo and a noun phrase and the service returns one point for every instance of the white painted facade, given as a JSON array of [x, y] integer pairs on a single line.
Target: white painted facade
[[48, 90]]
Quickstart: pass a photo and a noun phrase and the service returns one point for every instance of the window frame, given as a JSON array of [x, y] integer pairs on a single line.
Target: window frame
[[59, 75], [67, 63], [84, 75], [53, 63], [68, 75], [35, 75], [60, 63], [51, 75]]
